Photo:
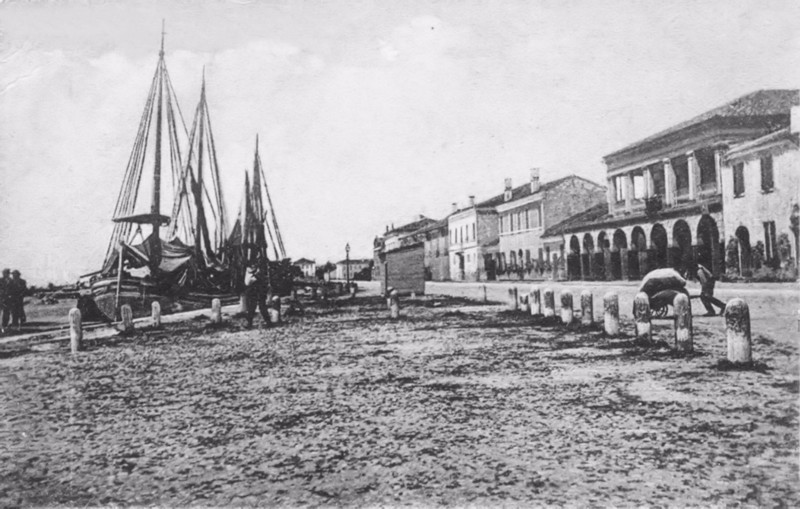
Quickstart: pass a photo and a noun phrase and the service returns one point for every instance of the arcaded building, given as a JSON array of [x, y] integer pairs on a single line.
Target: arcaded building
[[665, 193]]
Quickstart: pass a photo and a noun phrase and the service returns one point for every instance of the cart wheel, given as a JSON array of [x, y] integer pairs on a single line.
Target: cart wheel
[[660, 312]]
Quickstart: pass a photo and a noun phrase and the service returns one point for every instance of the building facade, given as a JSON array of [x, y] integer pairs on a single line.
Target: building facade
[[473, 240], [761, 184], [665, 194], [436, 259], [528, 210], [307, 267], [355, 266]]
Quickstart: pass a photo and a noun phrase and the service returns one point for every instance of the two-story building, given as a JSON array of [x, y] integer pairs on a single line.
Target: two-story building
[[473, 240], [435, 240], [347, 269], [761, 199], [307, 267], [665, 204], [527, 210]]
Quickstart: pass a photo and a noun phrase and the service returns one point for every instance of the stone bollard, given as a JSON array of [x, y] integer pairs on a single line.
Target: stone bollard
[[683, 323], [641, 316], [512, 299], [155, 313], [413, 295], [611, 314], [275, 310], [587, 308], [567, 313], [483, 291], [394, 305], [535, 301], [216, 311], [127, 318], [737, 324], [75, 330], [352, 291], [243, 303], [549, 303], [294, 293]]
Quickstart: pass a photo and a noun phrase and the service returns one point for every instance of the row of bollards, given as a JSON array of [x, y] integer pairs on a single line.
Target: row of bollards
[[541, 302]]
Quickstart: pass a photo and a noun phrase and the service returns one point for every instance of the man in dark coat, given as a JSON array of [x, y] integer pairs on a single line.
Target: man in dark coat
[[256, 290], [707, 280], [5, 308], [15, 291]]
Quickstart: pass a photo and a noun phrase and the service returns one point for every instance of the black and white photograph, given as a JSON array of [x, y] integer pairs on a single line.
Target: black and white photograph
[[411, 253]]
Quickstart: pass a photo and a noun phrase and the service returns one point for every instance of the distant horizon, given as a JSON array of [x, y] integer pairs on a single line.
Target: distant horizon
[[369, 114]]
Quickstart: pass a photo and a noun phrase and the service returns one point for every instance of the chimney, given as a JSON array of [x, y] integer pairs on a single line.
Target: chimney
[[472, 200], [794, 122], [507, 193], [535, 185], [455, 207], [387, 228]]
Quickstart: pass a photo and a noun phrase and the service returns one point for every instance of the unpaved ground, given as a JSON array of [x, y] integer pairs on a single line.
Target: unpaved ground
[[455, 404]]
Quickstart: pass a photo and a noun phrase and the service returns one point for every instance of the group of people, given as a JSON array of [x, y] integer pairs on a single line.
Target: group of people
[[12, 296]]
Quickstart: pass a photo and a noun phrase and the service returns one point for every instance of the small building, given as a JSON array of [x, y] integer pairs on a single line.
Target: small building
[[435, 250], [355, 265], [528, 210], [473, 240], [665, 193], [407, 261], [761, 202], [307, 267]]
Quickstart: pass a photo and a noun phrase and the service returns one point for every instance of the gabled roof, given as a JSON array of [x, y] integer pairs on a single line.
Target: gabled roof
[[303, 261], [761, 103], [432, 226], [588, 216], [524, 190], [413, 226]]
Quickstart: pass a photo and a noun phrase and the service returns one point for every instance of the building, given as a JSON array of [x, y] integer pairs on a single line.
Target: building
[[761, 206], [664, 193], [435, 241], [356, 265], [527, 210], [407, 244], [473, 240], [307, 267]]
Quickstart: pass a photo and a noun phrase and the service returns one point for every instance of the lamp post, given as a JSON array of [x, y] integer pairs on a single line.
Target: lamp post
[[347, 263]]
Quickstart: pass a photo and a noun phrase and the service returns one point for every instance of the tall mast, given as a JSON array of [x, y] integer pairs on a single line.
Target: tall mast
[[155, 206], [199, 193]]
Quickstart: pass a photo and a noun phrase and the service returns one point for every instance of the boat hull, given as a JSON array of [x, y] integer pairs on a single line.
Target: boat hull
[[140, 295]]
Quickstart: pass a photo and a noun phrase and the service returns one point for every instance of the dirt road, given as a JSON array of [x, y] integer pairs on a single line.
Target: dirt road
[[454, 404]]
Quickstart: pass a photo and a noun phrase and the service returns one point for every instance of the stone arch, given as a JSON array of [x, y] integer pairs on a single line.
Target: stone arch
[[638, 239], [620, 240], [682, 245], [708, 248], [588, 243], [574, 245], [574, 258], [602, 241], [743, 251], [660, 245]]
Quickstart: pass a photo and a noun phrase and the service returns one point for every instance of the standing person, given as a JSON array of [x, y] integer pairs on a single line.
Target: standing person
[[256, 290], [707, 280], [16, 298], [5, 308]]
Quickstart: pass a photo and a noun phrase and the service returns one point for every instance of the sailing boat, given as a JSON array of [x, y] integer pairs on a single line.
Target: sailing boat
[[190, 264], [255, 223]]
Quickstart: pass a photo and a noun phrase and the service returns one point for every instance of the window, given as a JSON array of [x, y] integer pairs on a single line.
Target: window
[[738, 180], [474, 236], [708, 168], [680, 166], [770, 242], [657, 174], [527, 257], [638, 186], [527, 216], [619, 188], [767, 182]]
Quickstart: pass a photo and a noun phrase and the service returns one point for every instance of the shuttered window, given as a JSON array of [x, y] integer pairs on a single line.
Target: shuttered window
[[738, 179], [767, 181]]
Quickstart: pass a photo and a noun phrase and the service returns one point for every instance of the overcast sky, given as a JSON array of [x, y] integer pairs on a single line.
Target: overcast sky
[[369, 112]]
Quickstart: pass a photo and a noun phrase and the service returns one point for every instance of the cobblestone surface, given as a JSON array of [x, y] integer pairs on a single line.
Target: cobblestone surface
[[454, 404]]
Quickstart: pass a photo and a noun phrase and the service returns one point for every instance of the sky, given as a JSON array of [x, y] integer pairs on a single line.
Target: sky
[[368, 112]]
